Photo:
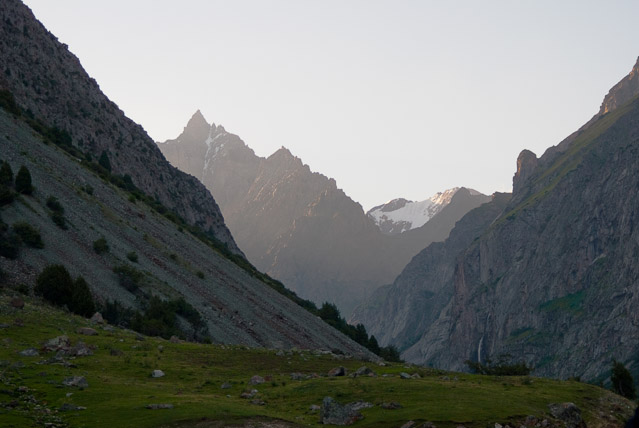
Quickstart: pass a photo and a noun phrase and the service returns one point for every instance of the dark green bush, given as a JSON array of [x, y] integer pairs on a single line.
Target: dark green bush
[[54, 205], [81, 302], [6, 174], [59, 220], [622, 381], [104, 161], [132, 256], [502, 367], [129, 277], [28, 234], [23, 181], [200, 274], [100, 245], [8, 103], [55, 284], [6, 195]]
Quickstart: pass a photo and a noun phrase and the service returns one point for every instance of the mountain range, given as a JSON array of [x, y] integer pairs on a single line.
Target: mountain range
[[107, 206], [297, 225], [546, 276]]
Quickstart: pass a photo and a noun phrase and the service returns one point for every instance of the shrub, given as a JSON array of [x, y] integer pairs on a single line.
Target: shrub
[[129, 277], [8, 103], [23, 181], [57, 212], [6, 195], [132, 256], [54, 284], [200, 274], [104, 161], [100, 245], [81, 301], [622, 381], [29, 235], [6, 174], [502, 367], [9, 242]]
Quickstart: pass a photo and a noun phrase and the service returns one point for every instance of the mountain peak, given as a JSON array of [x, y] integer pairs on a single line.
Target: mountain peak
[[622, 92], [197, 129]]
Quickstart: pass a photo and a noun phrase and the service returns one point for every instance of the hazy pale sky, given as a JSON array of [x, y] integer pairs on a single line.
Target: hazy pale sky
[[390, 98]]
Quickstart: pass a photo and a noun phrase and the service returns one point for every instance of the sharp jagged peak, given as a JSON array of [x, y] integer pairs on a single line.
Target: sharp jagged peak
[[622, 92]]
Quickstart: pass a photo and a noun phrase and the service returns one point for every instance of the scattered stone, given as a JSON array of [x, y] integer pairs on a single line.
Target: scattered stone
[[17, 303], [57, 343], [108, 328], [359, 405], [337, 371], [30, 352], [497, 425], [159, 406], [157, 373], [393, 405], [568, 413], [416, 376], [226, 385], [404, 375], [333, 413], [67, 407], [160, 348], [298, 376], [428, 424], [87, 331], [18, 322], [23, 389], [139, 338], [409, 424], [364, 371], [116, 352], [174, 339], [280, 353], [258, 402], [249, 394], [256, 380], [97, 318], [444, 378], [77, 381], [79, 350], [531, 421], [5, 325], [314, 408]]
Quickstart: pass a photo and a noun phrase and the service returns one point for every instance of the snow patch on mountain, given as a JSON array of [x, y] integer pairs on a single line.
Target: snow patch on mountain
[[400, 215]]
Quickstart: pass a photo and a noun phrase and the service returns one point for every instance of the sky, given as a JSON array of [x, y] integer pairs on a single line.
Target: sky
[[392, 98]]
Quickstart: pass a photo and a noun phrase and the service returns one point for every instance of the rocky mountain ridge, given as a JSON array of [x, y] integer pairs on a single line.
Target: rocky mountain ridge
[[400, 215], [297, 225], [551, 281], [121, 236], [49, 82]]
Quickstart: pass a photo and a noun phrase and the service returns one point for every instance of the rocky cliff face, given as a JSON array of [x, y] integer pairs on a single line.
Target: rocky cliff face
[[48, 80], [297, 225], [398, 314], [553, 281]]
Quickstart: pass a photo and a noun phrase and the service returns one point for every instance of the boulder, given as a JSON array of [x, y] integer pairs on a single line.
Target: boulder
[[363, 371], [159, 406], [157, 373], [97, 318], [77, 381], [30, 352], [17, 303], [568, 413], [226, 385], [87, 331], [249, 394], [57, 343], [404, 375], [333, 413], [256, 380], [393, 405], [337, 371]]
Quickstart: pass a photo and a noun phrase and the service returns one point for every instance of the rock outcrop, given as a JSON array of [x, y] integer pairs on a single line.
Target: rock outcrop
[[553, 280], [49, 82], [297, 225]]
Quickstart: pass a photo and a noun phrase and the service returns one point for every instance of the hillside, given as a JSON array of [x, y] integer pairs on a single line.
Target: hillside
[[552, 281], [202, 385], [49, 82], [297, 225]]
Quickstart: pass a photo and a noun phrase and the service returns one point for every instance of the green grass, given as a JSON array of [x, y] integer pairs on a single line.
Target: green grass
[[569, 303], [120, 384]]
